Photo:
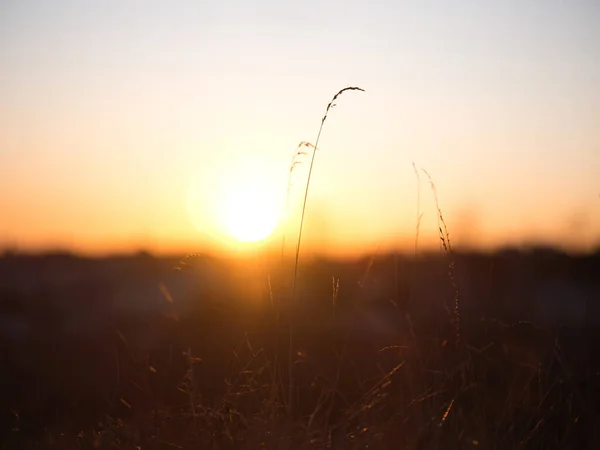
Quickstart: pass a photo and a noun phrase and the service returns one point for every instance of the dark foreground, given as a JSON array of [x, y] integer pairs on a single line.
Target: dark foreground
[[153, 353]]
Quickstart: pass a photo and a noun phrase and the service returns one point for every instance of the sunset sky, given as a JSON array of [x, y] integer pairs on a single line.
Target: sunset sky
[[126, 124]]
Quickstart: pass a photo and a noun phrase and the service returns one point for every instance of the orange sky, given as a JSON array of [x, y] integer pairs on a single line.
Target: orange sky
[[111, 115]]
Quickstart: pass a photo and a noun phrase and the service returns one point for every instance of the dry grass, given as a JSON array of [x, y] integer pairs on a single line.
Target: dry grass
[[444, 236], [508, 387], [330, 105], [518, 390]]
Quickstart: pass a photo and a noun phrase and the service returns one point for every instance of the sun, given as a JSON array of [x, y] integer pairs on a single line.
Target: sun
[[239, 202], [250, 211]]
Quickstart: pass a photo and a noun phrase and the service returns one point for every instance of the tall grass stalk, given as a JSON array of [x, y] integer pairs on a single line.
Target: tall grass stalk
[[295, 280], [413, 279], [419, 213], [296, 161], [447, 246]]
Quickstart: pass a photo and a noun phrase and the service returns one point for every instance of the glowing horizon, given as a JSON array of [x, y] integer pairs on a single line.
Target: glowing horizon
[[110, 112]]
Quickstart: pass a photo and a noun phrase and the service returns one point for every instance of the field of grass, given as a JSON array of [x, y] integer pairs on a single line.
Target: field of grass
[[375, 365], [427, 351]]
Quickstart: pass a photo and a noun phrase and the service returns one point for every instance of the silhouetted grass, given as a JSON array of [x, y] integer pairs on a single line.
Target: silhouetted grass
[[365, 368], [209, 377], [330, 105]]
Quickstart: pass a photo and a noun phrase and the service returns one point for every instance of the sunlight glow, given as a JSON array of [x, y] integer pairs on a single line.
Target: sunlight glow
[[250, 212], [240, 202]]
